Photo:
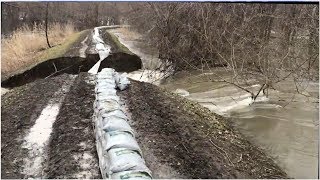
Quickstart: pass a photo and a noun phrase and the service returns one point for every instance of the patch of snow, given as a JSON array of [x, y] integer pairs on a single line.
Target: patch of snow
[[4, 90], [103, 50], [182, 92], [82, 50], [88, 169], [37, 139], [149, 76]]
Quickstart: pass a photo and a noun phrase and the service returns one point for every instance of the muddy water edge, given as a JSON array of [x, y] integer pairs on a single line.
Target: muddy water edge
[[284, 124]]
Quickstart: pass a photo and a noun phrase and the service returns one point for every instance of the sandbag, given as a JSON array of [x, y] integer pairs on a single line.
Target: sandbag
[[114, 123], [107, 80], [122, 81], [132, 175], [106, 97], [123, 159], [110, 85], [118, 113], [106, 91], [121, 139], [107, 70], [103, 160], [107, 106]]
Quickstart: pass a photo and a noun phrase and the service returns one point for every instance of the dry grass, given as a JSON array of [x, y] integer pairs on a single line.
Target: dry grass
[[129, 32], [20, 49]]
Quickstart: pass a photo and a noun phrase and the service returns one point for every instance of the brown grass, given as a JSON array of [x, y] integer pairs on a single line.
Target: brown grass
[[20, 49], [128, 32]]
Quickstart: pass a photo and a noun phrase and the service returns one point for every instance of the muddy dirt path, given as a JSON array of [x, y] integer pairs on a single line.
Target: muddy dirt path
[[47, 130], [36, 140], [72, 152], [181, 139], [20, 108]]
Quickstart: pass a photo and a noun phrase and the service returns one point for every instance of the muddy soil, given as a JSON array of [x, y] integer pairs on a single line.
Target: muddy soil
[[20, 107], [181, 139], [72, 150], [120, 59], [74, 50]]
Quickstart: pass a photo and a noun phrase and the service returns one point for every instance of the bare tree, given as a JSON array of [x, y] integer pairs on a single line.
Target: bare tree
[[46, 24], [267, 43]]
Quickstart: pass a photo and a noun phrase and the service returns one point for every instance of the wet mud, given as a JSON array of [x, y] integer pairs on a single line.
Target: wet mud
[[72, 150], [20, 107]]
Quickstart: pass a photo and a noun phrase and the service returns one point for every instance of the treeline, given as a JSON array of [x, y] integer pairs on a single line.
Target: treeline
[[82, 15], [257, 39]]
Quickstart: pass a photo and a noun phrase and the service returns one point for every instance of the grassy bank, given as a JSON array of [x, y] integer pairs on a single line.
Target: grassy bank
[[26, 47], [114, 41]]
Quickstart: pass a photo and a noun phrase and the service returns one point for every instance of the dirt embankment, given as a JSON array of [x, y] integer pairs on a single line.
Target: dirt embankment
[[20, 108], [121, 58], [72, 150], [181, 139]]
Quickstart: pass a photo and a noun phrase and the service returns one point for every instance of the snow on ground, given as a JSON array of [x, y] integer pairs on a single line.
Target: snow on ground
[[82, 50], [3, 91], [36, 141]]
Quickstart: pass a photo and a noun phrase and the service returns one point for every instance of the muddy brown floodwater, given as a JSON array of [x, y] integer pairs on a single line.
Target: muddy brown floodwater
[[285, 124]]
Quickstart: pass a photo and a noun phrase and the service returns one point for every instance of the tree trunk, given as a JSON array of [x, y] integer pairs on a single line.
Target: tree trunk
[[97, 14], [46, 24]]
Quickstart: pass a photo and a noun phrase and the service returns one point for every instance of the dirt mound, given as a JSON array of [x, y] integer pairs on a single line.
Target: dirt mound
[[72, 152], [191, 140], [20, 108]]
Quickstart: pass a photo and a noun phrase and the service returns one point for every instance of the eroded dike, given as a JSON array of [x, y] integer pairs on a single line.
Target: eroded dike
[[176, 138]]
